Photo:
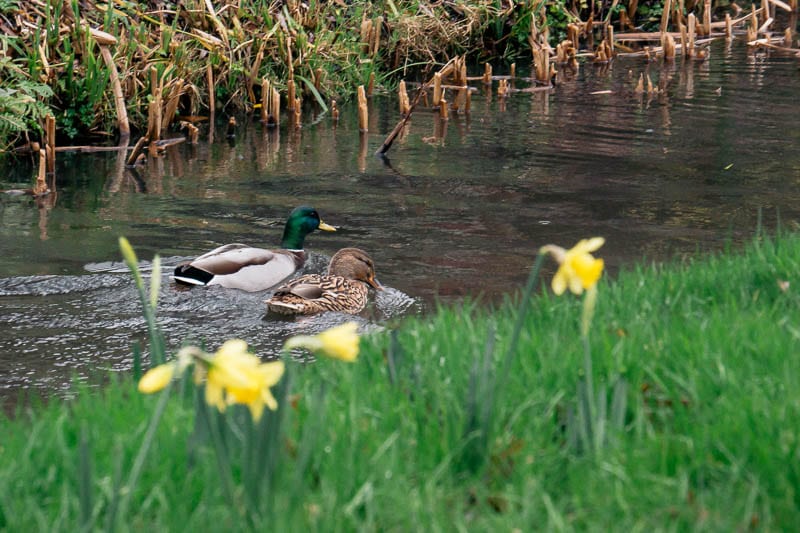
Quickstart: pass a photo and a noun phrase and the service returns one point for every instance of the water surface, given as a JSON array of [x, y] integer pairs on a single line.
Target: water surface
[[459, 209]]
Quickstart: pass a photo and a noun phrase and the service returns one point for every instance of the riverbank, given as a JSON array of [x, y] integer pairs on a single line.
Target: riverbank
[[688, 421], [104, 75]]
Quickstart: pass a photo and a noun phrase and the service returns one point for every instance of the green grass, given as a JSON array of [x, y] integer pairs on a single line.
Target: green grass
[[707, 354]]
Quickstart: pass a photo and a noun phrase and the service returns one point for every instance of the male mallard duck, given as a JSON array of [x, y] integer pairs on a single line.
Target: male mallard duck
[[343, 289], [238, 266]]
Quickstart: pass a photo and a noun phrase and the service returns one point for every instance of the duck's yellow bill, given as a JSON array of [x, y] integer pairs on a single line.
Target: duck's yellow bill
[[325, 227]]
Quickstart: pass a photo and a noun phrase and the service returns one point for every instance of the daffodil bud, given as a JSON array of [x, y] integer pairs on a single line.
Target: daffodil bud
[[156, 378]]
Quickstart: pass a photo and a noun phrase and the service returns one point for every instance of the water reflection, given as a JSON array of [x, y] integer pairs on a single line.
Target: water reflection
[[458, 208]]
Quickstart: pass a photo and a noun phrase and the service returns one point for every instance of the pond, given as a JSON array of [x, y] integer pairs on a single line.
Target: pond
[[458, 210]]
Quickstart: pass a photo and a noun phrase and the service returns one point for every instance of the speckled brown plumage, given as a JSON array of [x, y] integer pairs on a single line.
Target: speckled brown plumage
[[344, 289]]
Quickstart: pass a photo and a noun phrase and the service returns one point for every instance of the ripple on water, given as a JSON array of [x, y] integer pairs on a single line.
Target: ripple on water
[[57, 328]]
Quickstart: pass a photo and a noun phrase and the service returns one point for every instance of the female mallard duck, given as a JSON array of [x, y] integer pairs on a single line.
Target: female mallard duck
[[238, 266], [343, 289]]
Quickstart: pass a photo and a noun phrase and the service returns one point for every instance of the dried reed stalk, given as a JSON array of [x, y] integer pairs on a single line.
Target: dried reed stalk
[[194, 132], [290, 96], [692, 30], [50, 143], [633, 5], [678, 15], [487, 73], [602, 54], [667, 8], [788, 38], [513, 73], [210, 80], [363, 115], [561, 55], [289, 60], [371, 84], [669, 47], [334, 111], [541, 62], [707, 17], [275, 109], [684, 40], [437, 89], [318, 75], [610, 40], [106, 40], [154, 109], [266, 95], [40, 187], [366, 34], [565, 52], [376, 36], [764, 27], [174, 98], [137, 149], [250, 81], [298, 112], [765, 12], [573, 33], [443, 114], [402, 94], [728, 27]]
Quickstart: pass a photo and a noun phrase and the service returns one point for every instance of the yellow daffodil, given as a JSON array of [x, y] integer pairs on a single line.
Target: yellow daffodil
[[157, 378], [231, 375], [235, 375], [340, 342], [578, 269], [127, 251]]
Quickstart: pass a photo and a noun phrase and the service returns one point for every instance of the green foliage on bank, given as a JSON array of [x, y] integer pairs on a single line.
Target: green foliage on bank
[[329, 48], [688, 421]]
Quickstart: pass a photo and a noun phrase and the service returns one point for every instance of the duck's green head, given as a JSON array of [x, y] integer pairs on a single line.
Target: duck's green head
[[302, 221]]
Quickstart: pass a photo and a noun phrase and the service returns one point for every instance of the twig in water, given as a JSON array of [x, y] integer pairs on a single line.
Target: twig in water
[[400, 125]]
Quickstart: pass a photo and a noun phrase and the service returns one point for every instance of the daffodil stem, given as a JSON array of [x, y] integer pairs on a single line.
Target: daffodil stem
[[157, 355], [589, 302], [221, 454], [138, 463], [587, 369], [522, 313]]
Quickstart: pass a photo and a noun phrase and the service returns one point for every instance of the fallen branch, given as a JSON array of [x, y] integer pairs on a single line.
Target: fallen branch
[[400, 125]]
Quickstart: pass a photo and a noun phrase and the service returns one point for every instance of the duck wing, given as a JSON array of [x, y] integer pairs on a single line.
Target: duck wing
[[238, 266], [231, 258], [307, 291], [307, 287], [314, 293]]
